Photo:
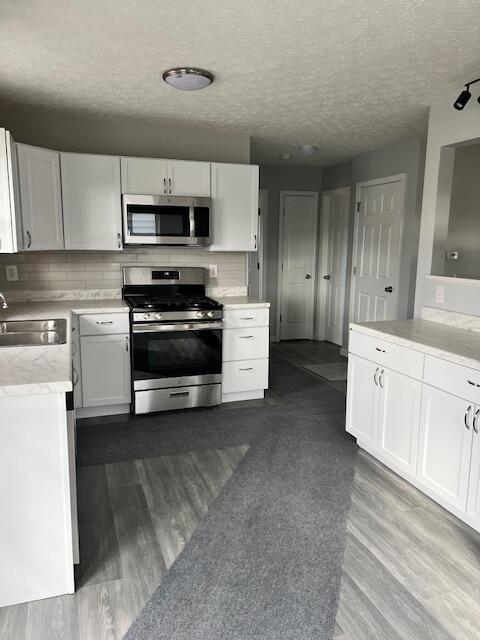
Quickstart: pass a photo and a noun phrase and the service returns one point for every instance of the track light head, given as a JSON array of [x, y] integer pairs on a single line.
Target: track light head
[[462, 99]]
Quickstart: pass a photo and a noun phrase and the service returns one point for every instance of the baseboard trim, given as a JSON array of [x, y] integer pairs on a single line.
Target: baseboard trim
[[243, 395], [96, 412]]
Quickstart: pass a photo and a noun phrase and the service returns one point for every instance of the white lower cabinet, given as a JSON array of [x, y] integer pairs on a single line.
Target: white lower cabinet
[[245, 353], [399, 419], [363, 400], [105, 370], [445, 446], [417, 426]]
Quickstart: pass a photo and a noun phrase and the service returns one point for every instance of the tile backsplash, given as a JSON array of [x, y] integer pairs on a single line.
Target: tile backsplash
[[73, 270]]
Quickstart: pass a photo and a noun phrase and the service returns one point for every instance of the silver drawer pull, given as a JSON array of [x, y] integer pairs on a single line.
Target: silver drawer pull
[[245, 337], [475, 418], [104, 321], [381, 350], [380, 378], [246, 369], [474, 384], [179, 394], [375, 373], [249, 318]]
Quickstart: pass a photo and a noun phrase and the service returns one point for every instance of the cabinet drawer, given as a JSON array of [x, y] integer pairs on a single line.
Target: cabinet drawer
[[239, 318], [454, 378], [387, 354], [244, 375], [104, 323], [245, 344]]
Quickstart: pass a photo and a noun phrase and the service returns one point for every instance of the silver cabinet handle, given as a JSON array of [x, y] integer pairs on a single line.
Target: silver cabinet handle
[[179, 394], [466, 417], [119, 240], [104, 321], [381, 350], [246, 369], [475, 417], [126, 343], [474, 384], [29, 243], [246, 318], [380, 378], [307, 276], [164, 186], [245, 337], [75, 377], [375, 377]]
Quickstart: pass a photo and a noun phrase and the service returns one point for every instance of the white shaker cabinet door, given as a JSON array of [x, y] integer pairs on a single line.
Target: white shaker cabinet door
[[399, 420], [10, 221], [105, 370], [91, 201], [41, 198], [144, 176], [187, 178], [234, 207], [445, 446], [473, 504], [363, 400]]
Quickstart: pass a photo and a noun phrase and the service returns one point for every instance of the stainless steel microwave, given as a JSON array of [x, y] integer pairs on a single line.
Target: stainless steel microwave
[[166, 220]]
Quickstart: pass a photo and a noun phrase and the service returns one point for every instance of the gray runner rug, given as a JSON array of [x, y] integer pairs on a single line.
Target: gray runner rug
[[266, 561]]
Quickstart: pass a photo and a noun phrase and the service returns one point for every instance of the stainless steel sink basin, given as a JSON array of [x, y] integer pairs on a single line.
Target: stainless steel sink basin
[[25, 333]]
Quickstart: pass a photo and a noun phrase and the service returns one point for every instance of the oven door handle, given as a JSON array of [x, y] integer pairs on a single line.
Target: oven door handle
[[187, 326]]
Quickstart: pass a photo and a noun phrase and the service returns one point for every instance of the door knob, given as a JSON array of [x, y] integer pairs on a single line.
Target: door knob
[[327, 277], [389, 289], [308, 276]]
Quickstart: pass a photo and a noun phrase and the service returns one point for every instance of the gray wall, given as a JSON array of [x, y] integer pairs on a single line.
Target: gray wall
[[125, 137], [337, 176], [275, 179]]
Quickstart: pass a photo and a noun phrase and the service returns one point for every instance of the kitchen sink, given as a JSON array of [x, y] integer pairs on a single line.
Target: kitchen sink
[[26, 333]]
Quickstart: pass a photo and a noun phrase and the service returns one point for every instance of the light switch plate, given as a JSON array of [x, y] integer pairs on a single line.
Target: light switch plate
[[440, 294], [212, 270], [11, 272]]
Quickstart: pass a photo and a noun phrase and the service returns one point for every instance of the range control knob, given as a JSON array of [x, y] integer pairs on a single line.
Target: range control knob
[[158, 316], [210, 314], [199, 314], [146, 316]]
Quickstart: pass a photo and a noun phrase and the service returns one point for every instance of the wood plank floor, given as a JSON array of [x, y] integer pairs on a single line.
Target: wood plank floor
[[135, 518], [411, 571]]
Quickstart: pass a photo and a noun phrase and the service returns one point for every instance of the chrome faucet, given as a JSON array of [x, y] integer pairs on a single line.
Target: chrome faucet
[[3, 301]]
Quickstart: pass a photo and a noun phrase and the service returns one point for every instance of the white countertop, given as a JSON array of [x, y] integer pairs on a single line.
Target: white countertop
[[434, 338], [241, 302], [32, 370]]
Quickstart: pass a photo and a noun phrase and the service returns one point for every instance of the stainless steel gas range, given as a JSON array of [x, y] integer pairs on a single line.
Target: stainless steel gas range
[[176, 338]]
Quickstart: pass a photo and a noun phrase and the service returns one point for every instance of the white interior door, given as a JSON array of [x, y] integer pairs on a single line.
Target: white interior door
[[337, 213], [298, 250], [378, 225]]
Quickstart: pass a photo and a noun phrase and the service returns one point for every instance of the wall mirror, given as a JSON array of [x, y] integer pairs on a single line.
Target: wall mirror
[[456, 247]]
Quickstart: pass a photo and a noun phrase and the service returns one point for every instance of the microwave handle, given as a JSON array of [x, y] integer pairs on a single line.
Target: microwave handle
[[192, 219]]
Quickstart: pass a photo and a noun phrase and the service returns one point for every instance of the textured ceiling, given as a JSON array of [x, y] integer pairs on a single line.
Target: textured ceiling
[[346, 76]]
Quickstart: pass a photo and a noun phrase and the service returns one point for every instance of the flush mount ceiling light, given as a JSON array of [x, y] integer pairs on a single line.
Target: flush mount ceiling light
[[308, 150], [188, 78], [464, 96]]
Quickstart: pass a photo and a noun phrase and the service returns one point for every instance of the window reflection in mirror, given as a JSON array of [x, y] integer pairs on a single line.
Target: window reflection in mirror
[[456, 249]]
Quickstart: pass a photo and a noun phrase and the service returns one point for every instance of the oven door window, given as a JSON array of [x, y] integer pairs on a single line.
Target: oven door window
[[176, 354], [156, 221]]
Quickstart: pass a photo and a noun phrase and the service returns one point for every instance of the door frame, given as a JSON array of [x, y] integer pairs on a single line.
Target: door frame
[[323, 254], [261, 245], [283, 195], [399, 177]]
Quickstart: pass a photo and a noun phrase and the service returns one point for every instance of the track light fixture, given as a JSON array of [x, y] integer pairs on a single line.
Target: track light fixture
[[464, 96]]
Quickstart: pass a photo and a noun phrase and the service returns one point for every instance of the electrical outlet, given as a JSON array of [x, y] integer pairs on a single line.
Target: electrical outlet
[[11, 272], [440, 294], [212, 270]]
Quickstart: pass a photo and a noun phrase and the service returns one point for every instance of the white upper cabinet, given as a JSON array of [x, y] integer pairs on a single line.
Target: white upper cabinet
[[185, 178], [146, 176], [91, 201], [41, 198], [235, 207], [10, 223], [154, 176]]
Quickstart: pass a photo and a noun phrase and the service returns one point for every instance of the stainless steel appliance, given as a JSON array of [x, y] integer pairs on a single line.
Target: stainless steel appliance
[[166, 220], [176, 338]]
